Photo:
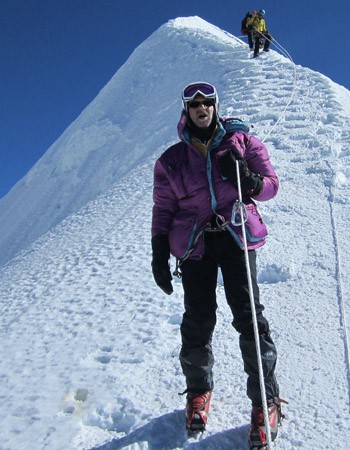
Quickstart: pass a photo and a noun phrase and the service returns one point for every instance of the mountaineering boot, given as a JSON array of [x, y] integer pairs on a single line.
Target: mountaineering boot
[[257, 432], [197, 409], [255, 55]]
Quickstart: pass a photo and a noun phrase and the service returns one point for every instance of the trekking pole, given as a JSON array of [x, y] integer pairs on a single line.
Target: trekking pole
[[255, 322]]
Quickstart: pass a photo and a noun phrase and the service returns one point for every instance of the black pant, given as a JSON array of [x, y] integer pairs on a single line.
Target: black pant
[[266, 37], [250, 39], [199, 279]]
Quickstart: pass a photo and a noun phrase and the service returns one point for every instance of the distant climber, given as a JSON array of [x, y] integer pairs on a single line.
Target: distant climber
[[248, 31], [260, 36]]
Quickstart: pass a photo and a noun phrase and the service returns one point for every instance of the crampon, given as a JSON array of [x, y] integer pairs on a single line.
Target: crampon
[[257, 432], [197, 409]]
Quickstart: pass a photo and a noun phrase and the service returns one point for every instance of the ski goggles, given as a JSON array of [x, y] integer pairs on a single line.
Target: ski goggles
[[200, 88]]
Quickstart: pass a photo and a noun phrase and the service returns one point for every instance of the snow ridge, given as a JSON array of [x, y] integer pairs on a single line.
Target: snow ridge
[[90, 344]]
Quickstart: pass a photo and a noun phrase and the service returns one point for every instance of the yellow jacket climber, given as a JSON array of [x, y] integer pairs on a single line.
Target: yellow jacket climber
[[259, 34], [257, 23]]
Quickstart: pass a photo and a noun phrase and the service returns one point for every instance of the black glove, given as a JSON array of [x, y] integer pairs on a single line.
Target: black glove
[[251, 183], [160, 263]]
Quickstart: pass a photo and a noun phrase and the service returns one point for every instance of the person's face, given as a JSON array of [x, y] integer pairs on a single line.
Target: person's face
[[201, 114]]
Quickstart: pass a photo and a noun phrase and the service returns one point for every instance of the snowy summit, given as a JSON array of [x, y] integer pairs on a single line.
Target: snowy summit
[[89, 343]]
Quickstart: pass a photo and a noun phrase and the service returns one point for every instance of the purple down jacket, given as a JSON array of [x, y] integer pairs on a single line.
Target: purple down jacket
[[189, 189]]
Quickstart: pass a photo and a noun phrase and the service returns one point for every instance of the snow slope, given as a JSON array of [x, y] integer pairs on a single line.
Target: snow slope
[[89, 344]]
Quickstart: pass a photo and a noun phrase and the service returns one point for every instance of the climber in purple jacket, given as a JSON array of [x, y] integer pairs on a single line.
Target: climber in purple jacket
[[194, 219]]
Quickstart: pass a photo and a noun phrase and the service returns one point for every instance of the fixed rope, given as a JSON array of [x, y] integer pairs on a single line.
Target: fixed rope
[[340, 293], [254, 318], [285, 53]]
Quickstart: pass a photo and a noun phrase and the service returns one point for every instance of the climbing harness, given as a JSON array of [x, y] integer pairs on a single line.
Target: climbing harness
[[218, 225]]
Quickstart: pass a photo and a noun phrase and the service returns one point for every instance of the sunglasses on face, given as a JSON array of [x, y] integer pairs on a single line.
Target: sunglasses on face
[[195, 104]]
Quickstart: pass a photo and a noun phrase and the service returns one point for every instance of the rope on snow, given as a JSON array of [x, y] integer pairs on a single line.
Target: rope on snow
[[285, 53]]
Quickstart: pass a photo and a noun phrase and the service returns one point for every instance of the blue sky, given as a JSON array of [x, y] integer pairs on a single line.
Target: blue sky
[[56, 55]]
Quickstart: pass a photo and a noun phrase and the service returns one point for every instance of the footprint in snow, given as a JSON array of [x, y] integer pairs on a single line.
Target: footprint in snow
[[274, 274]]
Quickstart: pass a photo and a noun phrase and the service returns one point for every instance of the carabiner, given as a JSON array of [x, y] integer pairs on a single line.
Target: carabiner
[[239, 214]]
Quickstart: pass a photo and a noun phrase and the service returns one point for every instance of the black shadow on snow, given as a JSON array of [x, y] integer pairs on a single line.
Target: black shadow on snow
[[167, 433]]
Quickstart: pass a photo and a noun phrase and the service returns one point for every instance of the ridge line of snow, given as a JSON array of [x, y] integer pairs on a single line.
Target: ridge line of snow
[[83, 320]]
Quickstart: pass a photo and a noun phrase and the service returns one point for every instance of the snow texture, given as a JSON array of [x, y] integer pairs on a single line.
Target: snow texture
[[89, 345]]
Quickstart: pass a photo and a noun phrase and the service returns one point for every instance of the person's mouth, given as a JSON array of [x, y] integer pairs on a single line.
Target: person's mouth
[[202, 116]]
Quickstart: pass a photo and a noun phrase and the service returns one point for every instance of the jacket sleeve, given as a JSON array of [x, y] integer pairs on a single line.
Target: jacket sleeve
[[258, 160], [165, 202], [250, 21]]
